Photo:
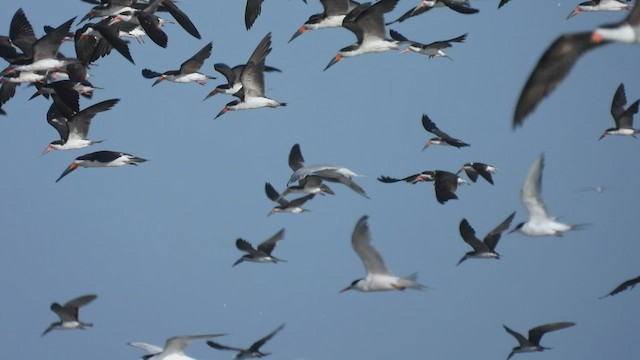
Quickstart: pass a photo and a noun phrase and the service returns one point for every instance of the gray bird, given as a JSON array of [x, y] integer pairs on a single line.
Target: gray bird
[[253, 351], [263, 253], [532, 344], [485, 249], [68, 314]]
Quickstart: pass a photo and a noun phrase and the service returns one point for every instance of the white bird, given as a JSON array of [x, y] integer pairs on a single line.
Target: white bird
[[539, 223], [173, 348], [378, 278]]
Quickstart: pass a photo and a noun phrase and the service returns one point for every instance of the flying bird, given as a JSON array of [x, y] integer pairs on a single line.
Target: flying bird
[[252, 10], [627, 285], [332, 16], [442, 138], [378, 278], [599, 5], [173, 349], [253, 351], [445, 183], [310, 184], [188, 71], [459, 6], [539, 223], [622, 117], [366, 21], [68, 314], [532, 344], [102, 159], [232, 74], [433, 49], [485, 249], [473, 169], [294, 206], [559, 58], [95, 40], [426, 175], [263, 253]]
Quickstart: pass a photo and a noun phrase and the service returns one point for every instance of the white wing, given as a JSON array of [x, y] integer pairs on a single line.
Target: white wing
[[151, 349], [177, 344], [531, 191], [361, 242]]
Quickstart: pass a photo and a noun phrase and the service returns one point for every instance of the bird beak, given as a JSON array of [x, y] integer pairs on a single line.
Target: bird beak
[[49, 148], [602, 136], [596, 37], [298, 33], [224, 110], [345, 289], [215, 91], [86, 17], [575, 12], [461, 170], [405, 50], [426, 145], [160, 79], [512, 230], [69, 169], [333, 61]]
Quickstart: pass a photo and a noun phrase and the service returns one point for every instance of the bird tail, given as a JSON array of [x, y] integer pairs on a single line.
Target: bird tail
[[411, 282]]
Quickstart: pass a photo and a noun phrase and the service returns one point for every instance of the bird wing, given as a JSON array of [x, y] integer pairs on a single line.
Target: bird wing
[[521, 339], [218, 346], [226, 71], [110, 34], [481, 169], [296, 161], [349, 21], [399, 37], [74, 304], [388, 179], [335, 7], [273, 194], [252, 76], [244, 245], [361, 242], [151, 25], [459, 8], [21, 33], [625, 120], [551, 69], [177, 344], [62, 312], [151, 349], [150, 74], [618, 103], [251, 12], [181, 18], [256, 345], [268, 245], [469, 236], [431, 127], [622, 287], [195, 62], [59, 122], [493, 237], [447, 43], [301, 200], [371, 21], [532, 190], [445, 185], [80, 122], [536, 333], [47, 46]]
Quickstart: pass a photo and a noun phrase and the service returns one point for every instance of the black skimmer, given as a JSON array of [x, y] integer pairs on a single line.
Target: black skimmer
[[460, 6], [446, 184], [622, 117], [173, 348], [68, 314], [334, 13], [427, 175], [559, 58], [252, 79], [378, 278], [232, 74], [539, 223], [253, 351], [442, 137], [310, 184], [73, 131], [485, 249], [294, 206], [532, 344], [629, 284], [599, 5], [366, 21], [95, 40], [102, 159], [433, 49], [252, 11], [473, 169], [188, 71], [263, 253]]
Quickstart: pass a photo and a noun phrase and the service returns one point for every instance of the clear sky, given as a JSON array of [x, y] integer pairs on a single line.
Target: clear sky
[[156, 242]]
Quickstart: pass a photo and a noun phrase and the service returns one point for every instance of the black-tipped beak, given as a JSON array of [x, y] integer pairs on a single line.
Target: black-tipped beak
[[86, 17], [298, 33], [215, 91], [333, 61], [160, 79], [224, 110], [69, 169]]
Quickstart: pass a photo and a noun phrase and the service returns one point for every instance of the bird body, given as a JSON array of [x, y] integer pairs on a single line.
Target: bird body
[[68, 314], [188, 71], [442, 137], [434, 49], [599, 5], [102, 159], [622, 117], [473, 169], [334, 13]]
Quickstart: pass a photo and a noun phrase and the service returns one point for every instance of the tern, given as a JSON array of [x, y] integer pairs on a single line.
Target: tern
[[308, 185], [433, 49], [442, 137], [599, 5], [378, 278], [252, 94], [188, 71], [622, 117], [173, 348], [485, 249], [532, 344], [332, 17], [73, 131], [473, 169], [562, 54], [327, 173], [539, 223], [68, 314], [459, 6], [263, 253], [102, 159], [629, 284], [294, 206], [253, 351], [366, 21]]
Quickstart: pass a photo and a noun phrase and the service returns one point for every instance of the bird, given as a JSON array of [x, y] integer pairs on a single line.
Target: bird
[[366, 21], [252, 10], [502, 3], [599, 5], [263, 253], [332, 16], [308, 185], [539, 223], [293, 206], [442, 137], [102, 159], [629, 284], [73, 131], [473, 169], [173, 348], [253, 351], [485, 249], [459, 6], [622, 117], [232, 74], [378, 278], [252, 78], [532, 344], [330, 173], [563, 53], [188, 71], [94, 40], [446, 184], [68, 314], [433, 49], [426, 175]]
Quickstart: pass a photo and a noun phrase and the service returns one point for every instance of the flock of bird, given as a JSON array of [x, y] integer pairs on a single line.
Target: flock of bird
[[65, 79]]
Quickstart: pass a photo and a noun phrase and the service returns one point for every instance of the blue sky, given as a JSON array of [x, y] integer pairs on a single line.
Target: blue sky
[[156, 242]]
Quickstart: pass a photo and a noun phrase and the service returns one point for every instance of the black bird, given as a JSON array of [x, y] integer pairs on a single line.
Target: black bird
[[433, 49], [332, 16], [95, 40], [263, 253], [102, 159], [622, 117], [427, 175], [472, 169], [253, 351], [629, 284], [446, 184], [294, 206], [533, 343], [460, 6], [485, 249], [188, 71], [68, 314], [442, 137]]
